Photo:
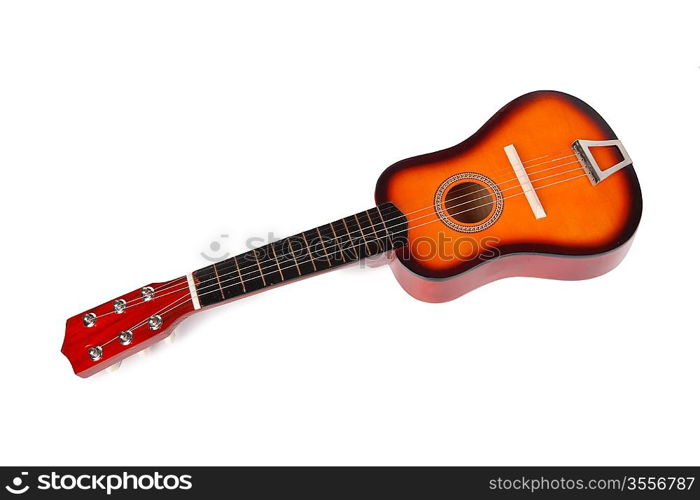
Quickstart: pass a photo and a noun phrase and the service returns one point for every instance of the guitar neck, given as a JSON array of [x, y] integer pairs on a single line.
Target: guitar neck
[[323, 248]]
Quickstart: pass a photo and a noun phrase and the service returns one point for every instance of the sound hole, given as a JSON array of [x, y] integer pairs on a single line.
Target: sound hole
[[468, 202]]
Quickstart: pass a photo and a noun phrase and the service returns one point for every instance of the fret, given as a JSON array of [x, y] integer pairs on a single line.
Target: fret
[[231, 285], [218, 281], [396, 224], [298, 247], [309, 253], [325, 247], [287, 260], [268, 264], [229, 278], [251, 272], [358, 243], [332, 245], [274, 254], [203, 279], [373, 243], [362, 234], [240, 276], [338, 244], [316, 248], [381, 226], [347, 244], [380, 239], [257, 263]]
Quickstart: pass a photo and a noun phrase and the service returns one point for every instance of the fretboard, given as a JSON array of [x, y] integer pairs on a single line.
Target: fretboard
[[344, 241]]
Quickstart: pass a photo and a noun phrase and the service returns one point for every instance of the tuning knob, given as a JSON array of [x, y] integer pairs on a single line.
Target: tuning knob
[[147, 293], [119, 306], [95, 353], [113, 368], [89, 319], [155, 322], [126, 337]]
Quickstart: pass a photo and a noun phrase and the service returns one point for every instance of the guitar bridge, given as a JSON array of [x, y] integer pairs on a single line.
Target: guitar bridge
[[582, 149]]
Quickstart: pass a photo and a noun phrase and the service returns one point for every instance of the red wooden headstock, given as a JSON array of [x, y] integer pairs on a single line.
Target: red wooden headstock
[[110, 332]]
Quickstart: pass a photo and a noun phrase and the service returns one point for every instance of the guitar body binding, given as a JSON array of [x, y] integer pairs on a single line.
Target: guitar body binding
[[584, 229], [544, 189]]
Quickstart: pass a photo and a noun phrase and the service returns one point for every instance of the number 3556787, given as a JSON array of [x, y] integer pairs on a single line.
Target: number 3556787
[[660, 483]]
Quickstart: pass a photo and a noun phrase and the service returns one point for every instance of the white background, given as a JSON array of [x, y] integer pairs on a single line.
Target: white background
[[133, 134]]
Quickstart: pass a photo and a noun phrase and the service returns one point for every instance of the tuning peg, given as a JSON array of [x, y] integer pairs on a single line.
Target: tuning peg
[[113, 368], [170, 338], [376, 260], [144, 352]]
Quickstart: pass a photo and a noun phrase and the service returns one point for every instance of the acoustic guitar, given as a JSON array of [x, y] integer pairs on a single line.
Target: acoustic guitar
[[543, 189]]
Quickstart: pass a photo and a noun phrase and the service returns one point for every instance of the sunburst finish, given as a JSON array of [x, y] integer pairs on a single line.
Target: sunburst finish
[[581, 219]]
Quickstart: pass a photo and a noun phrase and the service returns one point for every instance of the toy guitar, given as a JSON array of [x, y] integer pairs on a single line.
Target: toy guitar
[[543, 189]]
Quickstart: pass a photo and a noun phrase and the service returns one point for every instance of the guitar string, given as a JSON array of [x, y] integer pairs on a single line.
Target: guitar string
[[169, 285], [240, 270], [504, 169], [359, 231], [499, 184], [342, 241], [165, 286], [163, 311], [273, 267]]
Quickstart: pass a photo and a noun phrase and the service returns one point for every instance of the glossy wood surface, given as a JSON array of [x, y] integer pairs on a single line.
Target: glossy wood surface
[[582, 219], [586, 232], [171, 301]]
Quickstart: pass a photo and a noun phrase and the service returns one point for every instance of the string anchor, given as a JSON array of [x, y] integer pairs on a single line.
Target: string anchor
[[582, 149]]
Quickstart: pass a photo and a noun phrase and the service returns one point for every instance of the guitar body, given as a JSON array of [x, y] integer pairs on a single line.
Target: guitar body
[[543, 189], [587, 229]]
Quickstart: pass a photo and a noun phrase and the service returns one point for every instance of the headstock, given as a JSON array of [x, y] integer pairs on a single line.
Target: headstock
[[110, 332]]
